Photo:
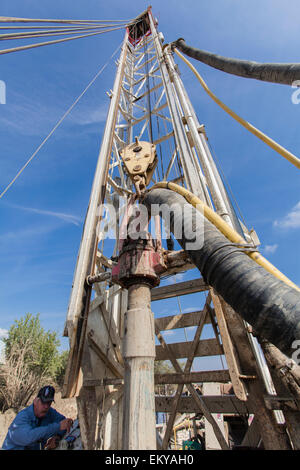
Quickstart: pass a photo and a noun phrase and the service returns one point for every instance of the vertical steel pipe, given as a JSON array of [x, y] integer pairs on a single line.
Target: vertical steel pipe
[[80, 294], [139, 355]]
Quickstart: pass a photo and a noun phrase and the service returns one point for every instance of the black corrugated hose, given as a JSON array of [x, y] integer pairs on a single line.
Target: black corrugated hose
[[265, 302], [268, 72]]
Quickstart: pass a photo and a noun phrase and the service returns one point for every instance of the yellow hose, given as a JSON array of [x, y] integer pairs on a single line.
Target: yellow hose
[[224, 228], [267, 140]]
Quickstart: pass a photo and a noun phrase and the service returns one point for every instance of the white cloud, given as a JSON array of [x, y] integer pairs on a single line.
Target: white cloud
[[270, 249], [35, 116], [89, 116], [190, 328], [190, 309], [291, 220], [27, 117], [169, 333], [72, 219], [69, 218], [3, 334], [179, 277], [26, 233]]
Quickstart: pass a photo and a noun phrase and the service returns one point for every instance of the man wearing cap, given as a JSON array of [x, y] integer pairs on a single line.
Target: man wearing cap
[[37, 424]]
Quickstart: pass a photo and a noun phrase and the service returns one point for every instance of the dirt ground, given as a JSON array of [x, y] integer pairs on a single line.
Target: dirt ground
[[67, 407]]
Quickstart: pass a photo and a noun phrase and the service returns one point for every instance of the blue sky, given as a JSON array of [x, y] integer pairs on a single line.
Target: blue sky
[[42, 214]]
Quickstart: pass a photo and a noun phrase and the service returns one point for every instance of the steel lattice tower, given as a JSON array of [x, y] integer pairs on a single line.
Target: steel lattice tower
[[149, 103]]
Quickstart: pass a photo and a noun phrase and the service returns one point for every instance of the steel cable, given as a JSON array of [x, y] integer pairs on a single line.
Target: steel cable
[[56, 41], [58, 124], [54, 32], [8, 19]]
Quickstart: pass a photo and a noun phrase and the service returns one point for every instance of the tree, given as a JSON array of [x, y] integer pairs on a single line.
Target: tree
[[60, 373], [32, 359], [17, 382], [164, 367], [43, 356]]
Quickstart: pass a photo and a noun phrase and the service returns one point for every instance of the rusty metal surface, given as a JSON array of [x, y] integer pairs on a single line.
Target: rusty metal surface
[[139, 261]]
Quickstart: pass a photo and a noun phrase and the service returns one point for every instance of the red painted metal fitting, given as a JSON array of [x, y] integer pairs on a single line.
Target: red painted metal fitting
[[139, 262]]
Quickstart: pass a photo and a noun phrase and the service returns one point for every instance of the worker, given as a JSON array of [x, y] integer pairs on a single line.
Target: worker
[[38, 426]]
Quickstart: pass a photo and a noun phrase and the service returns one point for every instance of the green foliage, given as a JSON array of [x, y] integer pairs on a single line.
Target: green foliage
[[163, 367], [60, 373], [166, 367], [32, 360], [44, 357]]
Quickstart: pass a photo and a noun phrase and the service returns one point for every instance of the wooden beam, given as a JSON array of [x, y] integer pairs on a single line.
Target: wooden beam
[[193, 377], [178, 393], [162, 379], [252, 436], [87, 382], [87, 415], [110, 398], [178, 259], [198, 401], [270, 432], [273, 402], [105, 355], [112, 331], [206, 347], [285, 384], [172, 416], [229, 350], [171, 271], [187, 368], [184, 320], [226, 404], [86, 404], [96, 302], [182, 288], [202, 406]]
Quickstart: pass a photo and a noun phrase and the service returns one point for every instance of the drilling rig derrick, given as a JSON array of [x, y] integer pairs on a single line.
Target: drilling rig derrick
[[152, 135]]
